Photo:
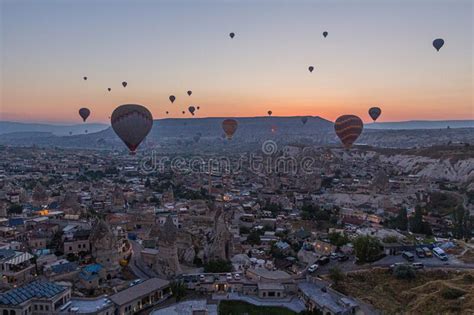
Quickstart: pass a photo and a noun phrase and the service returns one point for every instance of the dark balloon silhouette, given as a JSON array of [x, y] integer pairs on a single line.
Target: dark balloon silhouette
[[310, 68], [304, 120], [84, 113], [438, 43], [198, 108], [348, 128], [124, 84], [85, 78], [325, 34], [132, 123], [172, 98], [109, 89], [184, 112], [192, 109], [190, 92], [270, 113], [232, 35], [85, 131], [230, 127], [374, 113], [167, 113]]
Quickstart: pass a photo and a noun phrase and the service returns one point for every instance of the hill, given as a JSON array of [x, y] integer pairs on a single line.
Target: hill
[[57, 130], [422, 124]]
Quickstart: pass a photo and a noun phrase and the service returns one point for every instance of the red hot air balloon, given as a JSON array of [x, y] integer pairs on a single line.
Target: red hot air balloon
[[132, 123], [124, 84], [84, 113], [310, 68], [192, 109], [172, 98], [375, 112], [190, 92], [270, 113], [230, 127], [348, 128]]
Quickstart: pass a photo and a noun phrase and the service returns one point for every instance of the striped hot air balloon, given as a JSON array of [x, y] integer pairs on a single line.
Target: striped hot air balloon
[[132, 123], [348, 129], [229, 126]]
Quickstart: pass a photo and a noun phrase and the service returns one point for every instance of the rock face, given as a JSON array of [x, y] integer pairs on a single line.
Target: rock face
[[105, 248], [167, 263], [220, 245]]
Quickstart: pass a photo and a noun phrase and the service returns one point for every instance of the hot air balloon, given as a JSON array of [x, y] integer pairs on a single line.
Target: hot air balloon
[[124, 84], [325, 34], [310, 68], [85, 78], [109, 89], [231, 35], [229, 126], [132, 123], [184, 112], [86, 131], [304, 120], [84, 113], [167, 113], [375, 112], [192, 109], [348, 128], [198, 108], [270, 113], [172, 98], [438, 43], [190, 92]]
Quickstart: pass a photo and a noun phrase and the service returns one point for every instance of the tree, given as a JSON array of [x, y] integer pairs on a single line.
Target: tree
[[336, 275], [15, 209], [218, 265], [253, 238], [178, 290], [404, 272], [338, 239], [417, 225], [402, 219], [367, 248]]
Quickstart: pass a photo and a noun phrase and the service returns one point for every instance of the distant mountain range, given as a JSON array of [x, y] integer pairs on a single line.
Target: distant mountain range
[[57, 130], [422, 124]]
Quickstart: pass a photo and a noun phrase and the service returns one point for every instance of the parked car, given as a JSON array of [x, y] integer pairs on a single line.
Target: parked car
[[333, 256], [408, 256], [420, 252], [392, 266], [228, 276], [323, 260], [313, 268], [418, 265], [237, 276], [202, 278], [343, 257], [427, 252]]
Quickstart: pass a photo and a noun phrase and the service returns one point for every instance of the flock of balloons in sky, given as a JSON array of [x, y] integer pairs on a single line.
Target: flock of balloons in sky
[[132, 122]]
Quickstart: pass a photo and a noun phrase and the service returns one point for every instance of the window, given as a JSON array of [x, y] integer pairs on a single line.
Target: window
[[46, 307], [5, 312]]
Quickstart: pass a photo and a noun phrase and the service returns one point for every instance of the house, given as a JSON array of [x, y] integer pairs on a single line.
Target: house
[[15, 267]]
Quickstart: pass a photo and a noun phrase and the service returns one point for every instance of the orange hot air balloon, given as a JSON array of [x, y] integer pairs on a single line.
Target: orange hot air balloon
[[132, 123], [84, 113], [230, 127], [269, 113], [348, 128]]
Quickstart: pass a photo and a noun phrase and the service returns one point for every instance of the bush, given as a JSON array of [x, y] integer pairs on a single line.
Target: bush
[[452, 293], [218, 265], [404, 272]]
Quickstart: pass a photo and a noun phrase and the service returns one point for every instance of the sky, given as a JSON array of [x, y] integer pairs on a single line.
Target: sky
[[377, 53]]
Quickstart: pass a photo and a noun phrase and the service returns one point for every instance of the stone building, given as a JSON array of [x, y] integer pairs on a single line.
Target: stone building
[[105, 248]]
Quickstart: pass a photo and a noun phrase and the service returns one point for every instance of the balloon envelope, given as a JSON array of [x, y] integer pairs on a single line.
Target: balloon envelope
[[325, 34], [167, 113], [84, 113], [270, 113], [85, 78], [348, 128], [231, 35], [190, 92], [310, 68], [230, 127], [438, 43], [132, 123], [172, 98], [124, 84], [192, 109], [374, 112], [109, 89]]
